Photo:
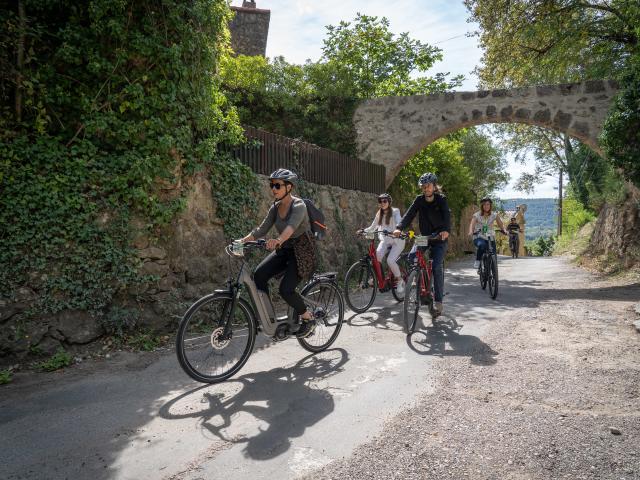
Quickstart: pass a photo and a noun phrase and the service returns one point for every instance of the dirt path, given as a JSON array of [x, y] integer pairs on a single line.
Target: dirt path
[[559, 396]]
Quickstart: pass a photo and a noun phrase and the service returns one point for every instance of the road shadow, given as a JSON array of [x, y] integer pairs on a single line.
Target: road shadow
[[381, 316], [284, 399], [434, 339]]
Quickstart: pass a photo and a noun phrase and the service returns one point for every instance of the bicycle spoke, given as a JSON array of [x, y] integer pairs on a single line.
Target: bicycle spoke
[[203, 351], [329, 314]]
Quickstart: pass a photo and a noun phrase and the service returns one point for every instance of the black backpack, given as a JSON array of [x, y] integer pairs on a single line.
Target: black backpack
[[316, 219]]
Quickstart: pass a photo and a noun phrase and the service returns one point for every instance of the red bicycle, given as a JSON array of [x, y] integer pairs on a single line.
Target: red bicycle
[[365, 277], [419, 289]]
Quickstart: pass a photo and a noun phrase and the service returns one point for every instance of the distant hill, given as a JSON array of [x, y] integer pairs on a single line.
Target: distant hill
[[540, 215]]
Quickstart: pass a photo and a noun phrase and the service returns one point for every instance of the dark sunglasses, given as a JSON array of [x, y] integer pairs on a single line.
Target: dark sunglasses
[[384, 200], [277, 186]]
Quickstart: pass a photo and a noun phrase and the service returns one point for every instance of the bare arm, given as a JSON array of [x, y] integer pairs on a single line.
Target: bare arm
[[472, 225], [274, 243]]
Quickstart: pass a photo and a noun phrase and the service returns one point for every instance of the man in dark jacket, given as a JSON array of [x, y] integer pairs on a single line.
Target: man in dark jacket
[[434, 217]]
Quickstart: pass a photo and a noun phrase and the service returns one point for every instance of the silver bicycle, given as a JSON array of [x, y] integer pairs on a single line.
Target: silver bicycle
[[218, 332]]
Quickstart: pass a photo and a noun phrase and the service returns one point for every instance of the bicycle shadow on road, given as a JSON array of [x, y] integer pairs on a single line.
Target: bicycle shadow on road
[[433, 340], [383, 317], [285, 399]]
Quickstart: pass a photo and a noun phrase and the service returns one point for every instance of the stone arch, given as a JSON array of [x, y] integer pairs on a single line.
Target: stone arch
[[391, 130]]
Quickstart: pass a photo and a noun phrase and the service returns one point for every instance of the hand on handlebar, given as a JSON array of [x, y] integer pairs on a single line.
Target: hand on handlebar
[[396, 233], [272, 244]]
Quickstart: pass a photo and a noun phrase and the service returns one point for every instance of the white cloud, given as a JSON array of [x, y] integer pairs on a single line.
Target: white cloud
[[547, 189]]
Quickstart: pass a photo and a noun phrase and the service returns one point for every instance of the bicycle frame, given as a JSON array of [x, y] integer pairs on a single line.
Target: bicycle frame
[[381, 278], [261, 301], [426, 266]]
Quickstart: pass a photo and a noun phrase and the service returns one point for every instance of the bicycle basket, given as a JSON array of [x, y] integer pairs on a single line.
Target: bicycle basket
[[370, 235], [421, 241]]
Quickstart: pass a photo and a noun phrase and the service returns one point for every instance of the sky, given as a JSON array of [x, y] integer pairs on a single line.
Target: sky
[[297, 29]]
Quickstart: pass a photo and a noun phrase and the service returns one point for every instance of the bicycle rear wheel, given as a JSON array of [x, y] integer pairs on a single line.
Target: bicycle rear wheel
[[412, 300], [328, 312], [203, 351], [360, 287], [493, 277]]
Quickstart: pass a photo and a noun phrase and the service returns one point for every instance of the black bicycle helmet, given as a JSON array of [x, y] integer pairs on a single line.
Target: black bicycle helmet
[[286, 175], [385, 195], [427, 178]]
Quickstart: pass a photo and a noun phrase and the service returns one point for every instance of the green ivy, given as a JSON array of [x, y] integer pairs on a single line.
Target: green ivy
[[235, 190], [59, 360], [117, 101], [5, 377], [621, 134]]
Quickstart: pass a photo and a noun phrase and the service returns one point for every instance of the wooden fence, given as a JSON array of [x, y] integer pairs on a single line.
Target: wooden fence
[[265, 152]]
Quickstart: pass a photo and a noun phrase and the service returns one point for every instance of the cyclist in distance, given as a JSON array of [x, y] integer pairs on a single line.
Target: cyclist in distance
[[434, 217], [289, 215], [387, 218], [481, 228]]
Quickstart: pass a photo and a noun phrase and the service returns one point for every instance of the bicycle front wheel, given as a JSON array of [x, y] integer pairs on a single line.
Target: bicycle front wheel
[[325, 302], [412, 301], [205, 353], [493, 278], [484, 266], [360, 287]]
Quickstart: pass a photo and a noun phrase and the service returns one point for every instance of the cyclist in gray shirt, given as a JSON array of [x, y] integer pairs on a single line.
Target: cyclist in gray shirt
[[289, 215]]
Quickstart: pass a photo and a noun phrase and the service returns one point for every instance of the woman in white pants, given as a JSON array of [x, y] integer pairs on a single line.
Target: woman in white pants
[[386, 219]]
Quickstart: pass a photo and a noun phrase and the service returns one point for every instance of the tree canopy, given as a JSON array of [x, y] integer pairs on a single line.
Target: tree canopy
[[316, 101], [528, 42]]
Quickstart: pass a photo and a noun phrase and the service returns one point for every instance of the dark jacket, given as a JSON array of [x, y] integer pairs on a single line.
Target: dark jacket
[[513, 227], [433, 217]]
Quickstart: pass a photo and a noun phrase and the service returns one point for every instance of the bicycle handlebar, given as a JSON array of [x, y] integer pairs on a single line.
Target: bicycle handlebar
[[236, 249], [388, 233]]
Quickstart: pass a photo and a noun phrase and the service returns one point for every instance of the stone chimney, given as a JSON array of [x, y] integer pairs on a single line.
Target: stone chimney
[[249, 29]]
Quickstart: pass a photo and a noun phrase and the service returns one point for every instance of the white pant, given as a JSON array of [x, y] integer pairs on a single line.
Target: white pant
[[397, 245]]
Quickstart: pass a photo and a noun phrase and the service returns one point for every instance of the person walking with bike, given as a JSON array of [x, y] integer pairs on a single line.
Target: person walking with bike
[[481, 228], [513, 228], [289, 215], [387, 218], [434, 217]]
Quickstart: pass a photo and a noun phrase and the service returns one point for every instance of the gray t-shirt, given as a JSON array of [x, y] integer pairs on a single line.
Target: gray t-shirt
[[297, 218]]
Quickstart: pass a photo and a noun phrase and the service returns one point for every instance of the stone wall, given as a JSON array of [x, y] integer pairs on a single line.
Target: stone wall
[[249, 29], [391, 130], [617, 230], [189, 260]]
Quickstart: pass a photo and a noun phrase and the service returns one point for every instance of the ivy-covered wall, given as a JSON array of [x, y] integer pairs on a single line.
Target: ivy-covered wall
[[105, 107]]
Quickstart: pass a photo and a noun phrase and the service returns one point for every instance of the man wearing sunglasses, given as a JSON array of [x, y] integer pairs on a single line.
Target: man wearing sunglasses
[[289, 215]]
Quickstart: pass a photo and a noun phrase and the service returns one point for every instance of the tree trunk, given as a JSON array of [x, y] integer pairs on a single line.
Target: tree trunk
[[560, 204], [20, 60]]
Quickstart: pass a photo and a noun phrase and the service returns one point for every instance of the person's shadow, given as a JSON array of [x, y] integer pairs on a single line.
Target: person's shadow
[[433, 340], [290, 404]]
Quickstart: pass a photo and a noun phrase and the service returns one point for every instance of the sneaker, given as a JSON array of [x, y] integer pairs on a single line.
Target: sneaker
[[306, 329], [400, 287], [476, 264], [438, 307]]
